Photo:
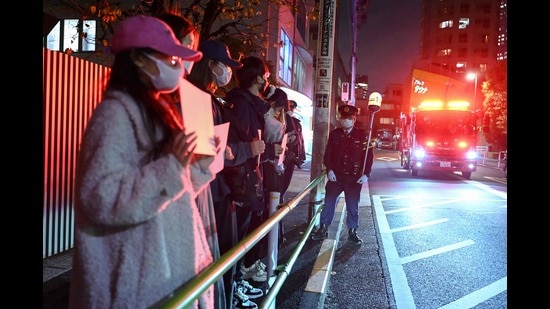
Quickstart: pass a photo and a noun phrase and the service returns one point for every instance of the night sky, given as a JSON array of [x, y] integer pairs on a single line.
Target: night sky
[[389, 43]]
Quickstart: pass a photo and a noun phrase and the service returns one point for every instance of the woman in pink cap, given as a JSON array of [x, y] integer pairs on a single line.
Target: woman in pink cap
[[138, 232]]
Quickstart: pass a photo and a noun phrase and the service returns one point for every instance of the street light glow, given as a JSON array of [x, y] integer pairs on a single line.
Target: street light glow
[[474, 77]]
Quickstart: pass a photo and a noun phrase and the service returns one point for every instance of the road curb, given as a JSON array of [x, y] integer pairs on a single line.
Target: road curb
[[317, 285]]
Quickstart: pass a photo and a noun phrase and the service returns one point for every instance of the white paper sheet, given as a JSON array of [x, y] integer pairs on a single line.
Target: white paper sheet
[[221, 131], [283, 144], [196, 108]]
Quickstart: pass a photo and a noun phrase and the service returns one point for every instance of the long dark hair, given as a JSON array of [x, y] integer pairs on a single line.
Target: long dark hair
[[124, 77], [201, 75]]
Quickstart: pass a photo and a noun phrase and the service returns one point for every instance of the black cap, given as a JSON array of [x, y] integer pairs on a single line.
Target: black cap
[[218, 51], [347, 110]]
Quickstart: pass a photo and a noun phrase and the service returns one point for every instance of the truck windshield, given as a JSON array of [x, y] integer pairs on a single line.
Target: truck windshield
[[445, 122]]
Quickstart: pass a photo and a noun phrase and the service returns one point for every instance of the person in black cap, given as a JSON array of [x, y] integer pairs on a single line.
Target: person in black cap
[[213, 71], [344, 159]]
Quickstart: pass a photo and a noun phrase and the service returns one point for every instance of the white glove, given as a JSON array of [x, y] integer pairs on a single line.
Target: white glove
[[331, 176], [363, 179]]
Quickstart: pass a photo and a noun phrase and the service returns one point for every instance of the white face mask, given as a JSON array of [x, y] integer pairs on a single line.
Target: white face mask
[[188, 65], [225, 77], [346, 123], [169, 76]]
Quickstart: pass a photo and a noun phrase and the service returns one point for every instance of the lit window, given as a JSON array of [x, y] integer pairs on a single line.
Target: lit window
[[285, 58], [463, 23], [446, 24], [66, 36], [444, 52]]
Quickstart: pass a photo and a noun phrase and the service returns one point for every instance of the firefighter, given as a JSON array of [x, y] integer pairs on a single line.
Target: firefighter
[[344, 159]]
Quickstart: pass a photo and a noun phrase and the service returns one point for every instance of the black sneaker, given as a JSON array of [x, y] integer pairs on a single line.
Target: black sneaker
[[321, 233], [241, 301], [249, 290], [352, 236]]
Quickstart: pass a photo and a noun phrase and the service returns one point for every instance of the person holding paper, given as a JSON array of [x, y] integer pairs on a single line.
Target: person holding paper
[[138, 232], [275, 132], [187, 34], [213, 71], [275, 128], [249, 107]]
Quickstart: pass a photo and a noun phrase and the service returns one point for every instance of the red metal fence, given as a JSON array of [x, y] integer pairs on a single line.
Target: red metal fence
[[71, 89]]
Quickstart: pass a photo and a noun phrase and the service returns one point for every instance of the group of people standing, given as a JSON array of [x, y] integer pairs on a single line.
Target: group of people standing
[[150, 212]]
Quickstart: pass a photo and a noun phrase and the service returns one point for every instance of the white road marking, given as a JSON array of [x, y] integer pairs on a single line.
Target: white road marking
[[429, 253], [386, 159], [415, 226], [401, 289], [477, 297]]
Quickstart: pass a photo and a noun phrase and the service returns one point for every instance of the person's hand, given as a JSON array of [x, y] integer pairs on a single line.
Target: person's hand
[[363, 179], [257, 146], [331, 176], [229, 153], [205, 161], [183, 147]]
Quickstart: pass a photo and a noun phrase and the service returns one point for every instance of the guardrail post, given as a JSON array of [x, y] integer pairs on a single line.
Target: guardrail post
[[273, 236]]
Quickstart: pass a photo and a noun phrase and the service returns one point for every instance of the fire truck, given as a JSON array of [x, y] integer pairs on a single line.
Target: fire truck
[[439, 135]]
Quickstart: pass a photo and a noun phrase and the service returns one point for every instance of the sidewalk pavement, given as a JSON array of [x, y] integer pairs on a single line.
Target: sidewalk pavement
[[57, 269]]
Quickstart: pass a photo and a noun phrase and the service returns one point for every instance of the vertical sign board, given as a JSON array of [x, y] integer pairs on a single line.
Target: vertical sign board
[[325, 52], [321, 106]]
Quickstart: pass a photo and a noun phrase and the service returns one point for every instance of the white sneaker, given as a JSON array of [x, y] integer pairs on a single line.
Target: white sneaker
[[255, 272], [241, 301], [249, 290], [258, 265]]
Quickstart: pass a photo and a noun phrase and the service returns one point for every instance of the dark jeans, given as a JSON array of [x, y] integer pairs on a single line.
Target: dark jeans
[[352, 193], [226, 224]]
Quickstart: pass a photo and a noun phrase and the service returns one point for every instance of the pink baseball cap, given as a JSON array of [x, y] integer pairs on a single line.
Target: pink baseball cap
[[147, 31]]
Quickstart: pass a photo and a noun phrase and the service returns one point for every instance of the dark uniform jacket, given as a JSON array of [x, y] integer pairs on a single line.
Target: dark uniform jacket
[[345, 155]]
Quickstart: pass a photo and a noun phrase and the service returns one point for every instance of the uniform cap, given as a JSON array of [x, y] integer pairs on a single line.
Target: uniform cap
[[146, 31], [347, 110]]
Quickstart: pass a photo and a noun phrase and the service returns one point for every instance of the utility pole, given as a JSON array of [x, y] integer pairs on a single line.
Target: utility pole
[[321, 106], [353, 52]]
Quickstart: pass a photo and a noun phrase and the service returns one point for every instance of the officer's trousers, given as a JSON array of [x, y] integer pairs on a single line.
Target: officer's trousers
[[352, 193]]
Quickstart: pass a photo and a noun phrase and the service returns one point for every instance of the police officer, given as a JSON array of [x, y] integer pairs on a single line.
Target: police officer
[[344, 158]]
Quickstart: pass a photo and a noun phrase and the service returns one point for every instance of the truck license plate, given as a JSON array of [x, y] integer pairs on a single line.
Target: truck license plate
[[444, 164]]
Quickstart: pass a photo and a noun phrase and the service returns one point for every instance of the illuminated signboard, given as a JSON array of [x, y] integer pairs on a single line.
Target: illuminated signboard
[[431, 86]]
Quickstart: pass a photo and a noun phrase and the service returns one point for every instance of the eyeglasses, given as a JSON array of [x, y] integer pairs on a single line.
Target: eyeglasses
[[175, 60]]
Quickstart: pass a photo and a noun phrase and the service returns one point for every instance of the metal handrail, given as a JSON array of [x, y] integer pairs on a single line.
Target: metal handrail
[[184, 296]]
